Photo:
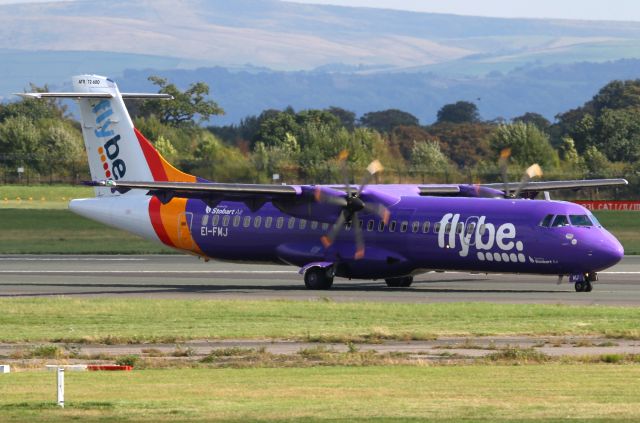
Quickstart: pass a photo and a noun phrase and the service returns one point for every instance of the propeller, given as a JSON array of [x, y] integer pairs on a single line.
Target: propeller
[[532, 171], [352, 203]]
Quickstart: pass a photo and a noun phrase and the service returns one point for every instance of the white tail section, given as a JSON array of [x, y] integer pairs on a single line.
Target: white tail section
[[113, 149]]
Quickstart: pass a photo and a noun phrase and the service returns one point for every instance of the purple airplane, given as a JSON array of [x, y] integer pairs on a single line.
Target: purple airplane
[[390, 232]]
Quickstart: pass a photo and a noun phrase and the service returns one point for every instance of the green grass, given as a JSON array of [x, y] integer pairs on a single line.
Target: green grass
[[142, 320], [541, 393], [41, 196], [62, 232], [625, 225]]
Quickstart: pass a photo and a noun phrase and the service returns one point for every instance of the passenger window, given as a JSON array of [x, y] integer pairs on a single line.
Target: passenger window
[[347, 226], [436, 227], [325, 226], [415, 227], [291, 223], [560, 220], [247, 221], [280, 222], [268, 221], [225, 220], [580, 220], [314, 225], [392, 226], [404, 226], [257, 222], [459, 228], [215, 220], [425, 227], [370, 225], [303, 223], [361, 223], [546, 221], [483, 229], [236, 220], [381, 226], [205, 220], [447, 228]]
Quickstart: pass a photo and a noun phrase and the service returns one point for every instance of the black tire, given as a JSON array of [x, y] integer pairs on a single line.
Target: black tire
[[404, 282], [317, 279], [580, 286], [588, 287]]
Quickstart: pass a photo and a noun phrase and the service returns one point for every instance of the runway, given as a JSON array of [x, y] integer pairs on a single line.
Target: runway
[[175, 276]]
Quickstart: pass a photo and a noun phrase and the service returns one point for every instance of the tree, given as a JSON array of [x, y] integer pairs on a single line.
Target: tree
[[387, 120], [464, 143], [46, 108], [541, 122], [403, 139], [346, 117], [616, 133], [528, 145], [460, 112], [427, 157], [186, 106], [276, 127]]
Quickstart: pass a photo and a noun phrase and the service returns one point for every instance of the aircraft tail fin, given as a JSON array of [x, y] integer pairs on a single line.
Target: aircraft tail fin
[[115, 148]]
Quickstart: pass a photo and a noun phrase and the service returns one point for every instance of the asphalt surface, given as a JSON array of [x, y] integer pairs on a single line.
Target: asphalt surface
[[168, 276]]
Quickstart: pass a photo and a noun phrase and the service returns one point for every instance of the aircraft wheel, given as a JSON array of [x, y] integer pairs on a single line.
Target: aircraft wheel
[[317, 279], [404, 282], [581, 286], [588, 287]]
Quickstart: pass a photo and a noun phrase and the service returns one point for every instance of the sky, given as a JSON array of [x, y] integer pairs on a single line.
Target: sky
[[620, 10]]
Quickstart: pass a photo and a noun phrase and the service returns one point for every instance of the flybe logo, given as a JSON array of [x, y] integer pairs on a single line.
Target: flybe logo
[[114, 167], [491, 243]]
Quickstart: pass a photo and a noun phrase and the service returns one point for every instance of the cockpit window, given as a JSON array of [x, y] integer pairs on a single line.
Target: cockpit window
[[560, 220], [546, 221], [595, 221], [580, 220]]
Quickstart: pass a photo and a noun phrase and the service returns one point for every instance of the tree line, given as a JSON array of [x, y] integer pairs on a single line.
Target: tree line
[[598, 139]]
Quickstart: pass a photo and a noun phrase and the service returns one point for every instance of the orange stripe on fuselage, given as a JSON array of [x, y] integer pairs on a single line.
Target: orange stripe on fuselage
[[171, 215]]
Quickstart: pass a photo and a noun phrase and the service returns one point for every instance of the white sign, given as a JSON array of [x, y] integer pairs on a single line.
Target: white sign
[[61, 386]]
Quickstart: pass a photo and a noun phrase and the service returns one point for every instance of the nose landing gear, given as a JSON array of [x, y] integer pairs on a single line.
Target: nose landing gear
[[584, 282]]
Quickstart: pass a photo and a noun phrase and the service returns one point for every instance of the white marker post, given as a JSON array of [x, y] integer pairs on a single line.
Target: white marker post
[[60, 374]]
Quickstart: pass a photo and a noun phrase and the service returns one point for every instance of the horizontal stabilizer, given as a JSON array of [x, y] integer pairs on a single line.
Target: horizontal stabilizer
[[126, 96]]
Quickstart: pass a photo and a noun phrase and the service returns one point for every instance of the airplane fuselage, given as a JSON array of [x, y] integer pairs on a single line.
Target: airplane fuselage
[[423, 233]]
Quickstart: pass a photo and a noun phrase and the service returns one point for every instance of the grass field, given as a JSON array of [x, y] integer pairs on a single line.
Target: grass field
[[36, 231], [41, 196], [141, 320], [541, 393]]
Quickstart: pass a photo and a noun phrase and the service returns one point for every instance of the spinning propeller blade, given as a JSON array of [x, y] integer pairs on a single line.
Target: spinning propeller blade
[[351, 204]]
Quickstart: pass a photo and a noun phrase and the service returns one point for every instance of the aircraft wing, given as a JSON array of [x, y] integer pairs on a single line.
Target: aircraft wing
[[532, 187]]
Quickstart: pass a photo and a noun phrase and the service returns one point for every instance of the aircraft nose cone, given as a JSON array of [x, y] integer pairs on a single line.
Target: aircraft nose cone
[[608, 253]]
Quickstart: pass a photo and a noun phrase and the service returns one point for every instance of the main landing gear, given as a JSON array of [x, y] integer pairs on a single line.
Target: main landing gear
[[585, 285], [403, 282], [318, 278]]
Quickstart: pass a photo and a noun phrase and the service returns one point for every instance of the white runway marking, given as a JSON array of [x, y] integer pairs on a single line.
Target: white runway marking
[[68, 259]]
